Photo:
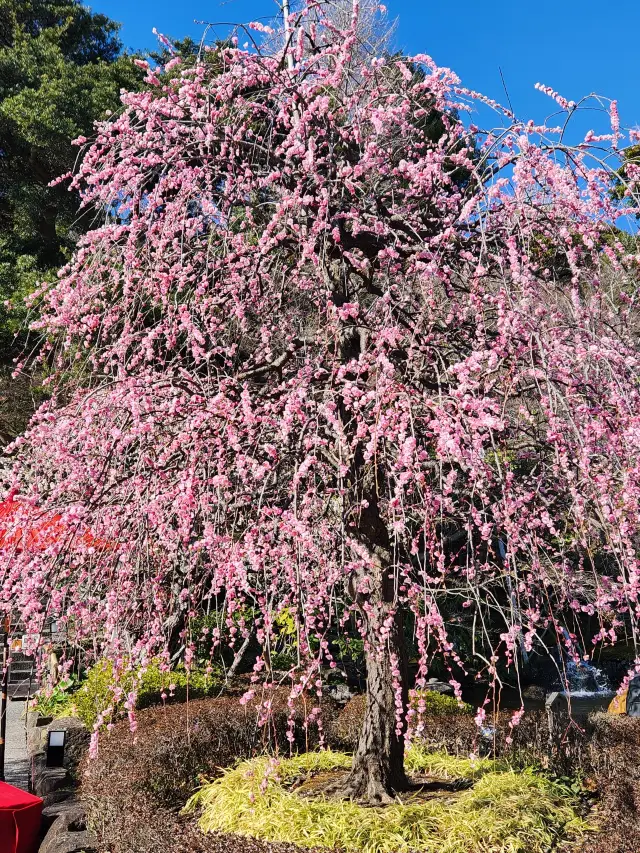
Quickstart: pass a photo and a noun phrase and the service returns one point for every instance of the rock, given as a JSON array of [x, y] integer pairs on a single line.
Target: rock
[[69, 834], [71, 842], [36, 732], [439, 686], [341, 693], [577, 705], [36, 740], [77, 736], [534, 693], [61, 795], [35, 719], [633, 697], [70, 808], [47, 779]]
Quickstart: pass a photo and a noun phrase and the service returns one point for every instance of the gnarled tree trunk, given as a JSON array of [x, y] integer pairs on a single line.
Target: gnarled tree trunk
[[378, 763]]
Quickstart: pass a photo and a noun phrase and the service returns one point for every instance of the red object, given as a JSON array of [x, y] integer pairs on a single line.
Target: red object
[[20, 816], [42, 533]]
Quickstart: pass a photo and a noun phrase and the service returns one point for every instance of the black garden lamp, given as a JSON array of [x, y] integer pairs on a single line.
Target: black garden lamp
[[55, 748]]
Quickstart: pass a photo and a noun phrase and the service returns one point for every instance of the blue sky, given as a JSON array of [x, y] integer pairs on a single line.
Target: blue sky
[[575, 47]]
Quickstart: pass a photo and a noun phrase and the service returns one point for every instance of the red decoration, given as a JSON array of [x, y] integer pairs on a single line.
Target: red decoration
[[20, 815]]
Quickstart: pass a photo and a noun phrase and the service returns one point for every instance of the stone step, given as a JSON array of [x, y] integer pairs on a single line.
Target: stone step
[[21, 691]]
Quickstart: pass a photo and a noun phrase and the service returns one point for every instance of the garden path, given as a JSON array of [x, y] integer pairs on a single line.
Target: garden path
[[16, 766]]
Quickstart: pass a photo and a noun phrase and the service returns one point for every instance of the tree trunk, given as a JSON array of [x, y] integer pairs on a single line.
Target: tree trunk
[[378, 764], [377, 772]]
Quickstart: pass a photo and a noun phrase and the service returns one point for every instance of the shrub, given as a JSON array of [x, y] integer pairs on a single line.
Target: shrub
[[135, 786], [439, 703], [452, 729], [95, 694], [503, 811], [57, 701], [612, 755]]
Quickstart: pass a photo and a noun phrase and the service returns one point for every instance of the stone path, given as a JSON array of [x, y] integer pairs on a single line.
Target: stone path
[[16, 766]]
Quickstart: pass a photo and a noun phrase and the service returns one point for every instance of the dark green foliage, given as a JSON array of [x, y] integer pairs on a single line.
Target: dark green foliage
[[622, 179], [60, 70], [19, 397], [187, 49]]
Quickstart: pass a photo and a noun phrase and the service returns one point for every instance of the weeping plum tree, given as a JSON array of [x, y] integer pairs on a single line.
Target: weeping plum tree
[[321, 361]]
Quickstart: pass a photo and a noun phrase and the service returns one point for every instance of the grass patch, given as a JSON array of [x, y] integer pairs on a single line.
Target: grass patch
[[419, 760], [506, 811]]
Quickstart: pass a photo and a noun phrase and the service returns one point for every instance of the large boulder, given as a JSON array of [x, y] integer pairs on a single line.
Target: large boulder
[[77, 737], [45, 780], [534, 693], [69, 834], [437, 686], [36, 732], [70, 808]]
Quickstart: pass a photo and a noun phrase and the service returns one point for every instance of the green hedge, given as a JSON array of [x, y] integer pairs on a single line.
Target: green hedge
[[96, 694]]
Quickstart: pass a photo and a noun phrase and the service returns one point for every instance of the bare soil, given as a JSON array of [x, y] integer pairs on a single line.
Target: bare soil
[[329, 783]]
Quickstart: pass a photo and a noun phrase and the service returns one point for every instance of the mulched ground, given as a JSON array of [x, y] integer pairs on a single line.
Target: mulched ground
[[423, 788]]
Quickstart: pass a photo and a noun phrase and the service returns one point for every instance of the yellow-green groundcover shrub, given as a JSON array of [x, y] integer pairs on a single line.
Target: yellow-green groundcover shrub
[[505, 811], [435, 704], [95, 693]]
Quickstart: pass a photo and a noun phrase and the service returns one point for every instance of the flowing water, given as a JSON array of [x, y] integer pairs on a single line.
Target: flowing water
[[585, 679], [582, 678]]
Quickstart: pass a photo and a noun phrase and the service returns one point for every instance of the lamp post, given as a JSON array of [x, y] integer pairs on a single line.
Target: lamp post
[[55, 748]]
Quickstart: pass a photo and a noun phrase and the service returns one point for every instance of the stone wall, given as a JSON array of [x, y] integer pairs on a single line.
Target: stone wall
[[64, 822]]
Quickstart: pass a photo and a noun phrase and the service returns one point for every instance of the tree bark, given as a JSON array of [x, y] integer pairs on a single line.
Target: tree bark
[[378, 771], [378, 764]]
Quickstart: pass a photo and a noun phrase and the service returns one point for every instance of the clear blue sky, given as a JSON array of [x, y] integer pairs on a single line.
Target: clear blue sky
[[575, 46]]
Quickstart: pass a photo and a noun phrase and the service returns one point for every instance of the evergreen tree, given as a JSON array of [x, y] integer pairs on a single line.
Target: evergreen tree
[[61, 69]]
